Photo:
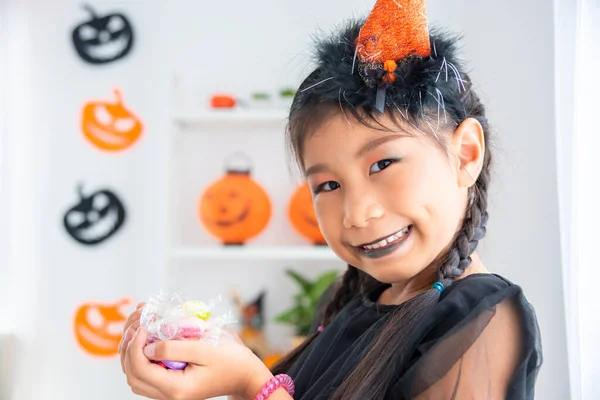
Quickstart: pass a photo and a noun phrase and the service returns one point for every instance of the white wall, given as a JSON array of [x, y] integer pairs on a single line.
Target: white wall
[[510, 44], [586, 214], [52, 274], [253, 46]]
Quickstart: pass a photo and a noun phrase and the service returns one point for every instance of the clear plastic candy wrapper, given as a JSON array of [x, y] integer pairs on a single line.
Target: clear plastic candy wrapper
[[172, 316]]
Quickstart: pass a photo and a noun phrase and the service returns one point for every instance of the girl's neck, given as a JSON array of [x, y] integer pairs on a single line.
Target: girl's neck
[[401, 292]]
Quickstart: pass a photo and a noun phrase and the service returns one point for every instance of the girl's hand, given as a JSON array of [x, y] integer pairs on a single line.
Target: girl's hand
[[131, 325], [226, 369]]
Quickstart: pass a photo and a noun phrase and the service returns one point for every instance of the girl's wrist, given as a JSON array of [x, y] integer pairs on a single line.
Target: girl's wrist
[[256, 382]]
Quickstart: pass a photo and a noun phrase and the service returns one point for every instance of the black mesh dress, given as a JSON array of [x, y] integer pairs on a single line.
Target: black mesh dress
[[457, 351]]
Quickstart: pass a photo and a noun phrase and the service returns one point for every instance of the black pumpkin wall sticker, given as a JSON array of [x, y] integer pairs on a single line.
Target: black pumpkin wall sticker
[[103, 39], [95, 218]]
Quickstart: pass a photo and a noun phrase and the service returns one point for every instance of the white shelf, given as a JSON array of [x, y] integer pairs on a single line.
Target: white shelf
[[200, 116], [255, 253]]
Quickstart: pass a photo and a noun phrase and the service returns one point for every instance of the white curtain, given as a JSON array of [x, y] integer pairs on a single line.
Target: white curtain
[[577, 64], [586, 199]]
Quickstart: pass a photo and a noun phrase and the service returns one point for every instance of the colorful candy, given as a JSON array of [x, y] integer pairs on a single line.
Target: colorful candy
[[169, 316], [197, 309]]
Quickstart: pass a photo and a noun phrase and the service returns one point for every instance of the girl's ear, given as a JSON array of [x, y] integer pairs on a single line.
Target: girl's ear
[[468, 145]]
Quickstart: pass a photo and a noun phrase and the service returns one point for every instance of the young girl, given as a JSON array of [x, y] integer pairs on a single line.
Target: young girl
[[394, 143]]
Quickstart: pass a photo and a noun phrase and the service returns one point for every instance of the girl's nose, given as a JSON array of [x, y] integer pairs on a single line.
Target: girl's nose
[[359, 212]]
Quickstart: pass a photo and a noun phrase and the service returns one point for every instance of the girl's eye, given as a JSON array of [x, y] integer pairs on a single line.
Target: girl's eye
[[327, 187], [380, 166]]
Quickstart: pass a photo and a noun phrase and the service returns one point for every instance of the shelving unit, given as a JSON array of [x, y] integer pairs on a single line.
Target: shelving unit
[[194, 118], [213, 128], [305, 253]]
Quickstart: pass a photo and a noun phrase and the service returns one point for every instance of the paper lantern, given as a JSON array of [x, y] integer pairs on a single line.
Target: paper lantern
[[301, 214], [235, 208]]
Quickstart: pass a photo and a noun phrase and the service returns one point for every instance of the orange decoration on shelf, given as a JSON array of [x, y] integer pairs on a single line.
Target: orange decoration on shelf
[[272, 359], [301, 213], [98, 327], [394, 30], [235, 208], [223, 101], [110, 126]]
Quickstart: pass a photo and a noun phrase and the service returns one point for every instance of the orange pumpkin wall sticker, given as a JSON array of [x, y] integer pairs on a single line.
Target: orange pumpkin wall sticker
[[235, 208], [301, 214], [98, 327], [110, 126]]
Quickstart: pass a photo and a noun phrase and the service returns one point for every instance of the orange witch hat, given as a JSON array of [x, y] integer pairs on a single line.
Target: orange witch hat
[[394, 29]]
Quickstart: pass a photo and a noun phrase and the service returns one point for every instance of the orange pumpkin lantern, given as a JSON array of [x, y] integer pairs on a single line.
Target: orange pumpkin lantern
[[235, 208], [110, 126], [301, 213], [98, 327]]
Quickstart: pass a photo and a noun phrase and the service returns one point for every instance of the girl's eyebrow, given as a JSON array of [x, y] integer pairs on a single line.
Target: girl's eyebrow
[[373, 144], [366, 148], [315, 169]]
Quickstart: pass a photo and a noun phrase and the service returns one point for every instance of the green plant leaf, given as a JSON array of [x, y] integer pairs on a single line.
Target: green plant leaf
[[304, 283], [291, 316], [321, 285], [305, 301]]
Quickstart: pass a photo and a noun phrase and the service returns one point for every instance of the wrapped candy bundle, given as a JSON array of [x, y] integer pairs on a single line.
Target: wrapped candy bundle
[[171, 316]]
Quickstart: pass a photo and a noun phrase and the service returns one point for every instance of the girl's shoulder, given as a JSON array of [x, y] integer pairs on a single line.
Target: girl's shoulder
[[476, 287], [482, 323], [486, 293]]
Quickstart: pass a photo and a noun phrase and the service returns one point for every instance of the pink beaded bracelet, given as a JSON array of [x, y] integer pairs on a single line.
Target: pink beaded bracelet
[[275, 383]]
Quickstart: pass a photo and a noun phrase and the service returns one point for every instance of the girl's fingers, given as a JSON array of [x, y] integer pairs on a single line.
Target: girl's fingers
[[190, 351], [122, 346], [131, 325], [153, 375], [125, 342], [143, 389], [133, 317]]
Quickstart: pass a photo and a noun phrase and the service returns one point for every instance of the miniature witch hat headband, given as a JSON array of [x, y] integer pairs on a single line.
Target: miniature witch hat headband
[[394, 31]]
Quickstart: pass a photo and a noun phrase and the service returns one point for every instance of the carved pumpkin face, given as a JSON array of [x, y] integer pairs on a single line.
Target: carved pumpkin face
[[95, 218], [101, 40], [302, 216], [235, 208], [110, 126], [98, 327]]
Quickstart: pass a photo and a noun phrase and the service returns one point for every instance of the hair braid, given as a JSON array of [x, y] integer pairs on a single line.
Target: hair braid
[[354, 283], [472, 231]]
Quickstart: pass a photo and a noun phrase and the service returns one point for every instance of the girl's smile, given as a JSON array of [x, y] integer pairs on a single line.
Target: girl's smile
[[386, 245]]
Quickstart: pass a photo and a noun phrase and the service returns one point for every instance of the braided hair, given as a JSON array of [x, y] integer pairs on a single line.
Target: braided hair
[[428, 92]]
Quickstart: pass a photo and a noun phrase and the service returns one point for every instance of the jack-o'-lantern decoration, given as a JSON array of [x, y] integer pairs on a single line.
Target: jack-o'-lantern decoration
[[301, 214], [98, 327], [103, 39], [94, 218], [110, 126], [235, 208]]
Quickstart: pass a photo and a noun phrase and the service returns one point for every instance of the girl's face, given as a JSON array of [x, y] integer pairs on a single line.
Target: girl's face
[[387, 203]]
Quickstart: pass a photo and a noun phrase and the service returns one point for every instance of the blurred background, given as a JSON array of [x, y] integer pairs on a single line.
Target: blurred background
[[118, 116]]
